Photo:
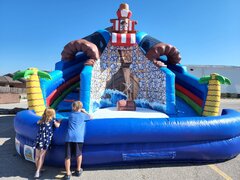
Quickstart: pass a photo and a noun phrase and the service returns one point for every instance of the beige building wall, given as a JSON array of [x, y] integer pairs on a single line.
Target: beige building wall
[[231, 72]]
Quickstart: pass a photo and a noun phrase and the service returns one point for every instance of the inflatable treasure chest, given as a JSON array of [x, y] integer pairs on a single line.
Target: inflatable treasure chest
[[126, 105]]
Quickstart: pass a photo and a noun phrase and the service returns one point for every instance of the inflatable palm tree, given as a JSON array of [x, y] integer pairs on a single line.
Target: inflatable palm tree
[[212, 104], [34, 92]]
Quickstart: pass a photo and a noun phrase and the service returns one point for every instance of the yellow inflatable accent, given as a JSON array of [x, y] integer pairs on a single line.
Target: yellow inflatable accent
[[37, 108], [33, 83], [210, 108], [213, 98], [211, 92], [35, 102], [214, 103], [34, 93], [205, 113], [33, 90], [214, 82], [214, 87]]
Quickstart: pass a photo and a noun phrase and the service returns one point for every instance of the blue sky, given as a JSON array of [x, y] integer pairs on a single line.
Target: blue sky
[[33, 33]]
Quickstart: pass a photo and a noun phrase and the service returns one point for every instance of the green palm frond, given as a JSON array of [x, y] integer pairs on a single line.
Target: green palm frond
[[44, 75], [227, 81], [221, 79], [22, 74], [204, 80], [28, 73], [19, 74]]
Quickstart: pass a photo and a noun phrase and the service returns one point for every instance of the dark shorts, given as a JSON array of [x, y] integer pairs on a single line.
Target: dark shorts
[[73, 149]]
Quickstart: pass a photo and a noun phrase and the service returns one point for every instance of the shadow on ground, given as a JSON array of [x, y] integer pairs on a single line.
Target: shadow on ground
[[15, 110]]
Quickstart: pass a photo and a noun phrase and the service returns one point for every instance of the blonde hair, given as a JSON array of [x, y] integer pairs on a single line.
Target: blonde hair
[[47, 116], [77, 105]]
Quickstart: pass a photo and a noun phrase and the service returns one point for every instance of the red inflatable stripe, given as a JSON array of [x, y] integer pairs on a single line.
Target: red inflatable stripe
[[192, 96], [60, 89], [51, 97]]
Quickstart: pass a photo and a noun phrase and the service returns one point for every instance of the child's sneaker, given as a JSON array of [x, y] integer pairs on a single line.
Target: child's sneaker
[[67, 177], [78, 173], [37, 174]]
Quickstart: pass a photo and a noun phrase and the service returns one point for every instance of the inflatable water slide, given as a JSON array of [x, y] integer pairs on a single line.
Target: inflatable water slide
[[168, 115]]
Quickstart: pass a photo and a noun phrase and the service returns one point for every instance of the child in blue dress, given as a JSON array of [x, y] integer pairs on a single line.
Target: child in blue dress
[[44, 137], [75, 137]]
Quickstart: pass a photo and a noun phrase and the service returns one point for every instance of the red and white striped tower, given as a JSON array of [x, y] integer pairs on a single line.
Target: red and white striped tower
[[123, 29]]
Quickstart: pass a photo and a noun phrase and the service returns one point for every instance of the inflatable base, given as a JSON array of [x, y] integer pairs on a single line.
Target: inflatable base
[[137, 141]]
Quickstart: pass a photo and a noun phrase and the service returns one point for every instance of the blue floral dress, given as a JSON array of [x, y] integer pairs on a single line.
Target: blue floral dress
[[44, 136]]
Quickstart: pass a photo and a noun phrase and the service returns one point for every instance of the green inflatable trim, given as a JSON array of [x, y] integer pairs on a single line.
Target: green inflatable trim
[[63, 95], [190, 102]]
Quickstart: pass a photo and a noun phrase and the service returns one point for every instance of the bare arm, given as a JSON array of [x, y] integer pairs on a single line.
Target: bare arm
[[57, 123], [84, 111]]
